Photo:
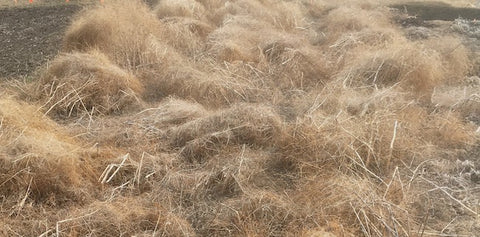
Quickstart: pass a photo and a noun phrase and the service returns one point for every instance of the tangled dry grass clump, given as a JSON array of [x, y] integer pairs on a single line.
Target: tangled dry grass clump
[[243, 118], [89, 83], [39, 160]]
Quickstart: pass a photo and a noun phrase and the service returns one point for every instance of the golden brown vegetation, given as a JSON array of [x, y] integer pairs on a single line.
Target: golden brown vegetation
[[87, 82], [243, 118]]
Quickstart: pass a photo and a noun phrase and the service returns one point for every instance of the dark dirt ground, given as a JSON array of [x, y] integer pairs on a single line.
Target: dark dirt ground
[[437, 11], [30, 36]]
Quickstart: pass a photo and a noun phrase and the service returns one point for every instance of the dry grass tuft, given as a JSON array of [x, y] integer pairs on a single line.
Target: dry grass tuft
[[125, 216], [357, 201], [183, 8], [79, 83], [187, 35], [261, 214], [293, 65], [226, 45], [39, 160], [192, 84], [408, 66], [175, 112], [241, 124], [351, 19], [125, 31]]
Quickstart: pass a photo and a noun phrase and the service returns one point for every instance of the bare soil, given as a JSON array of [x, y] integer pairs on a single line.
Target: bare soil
[[438, 11], [30, 36]]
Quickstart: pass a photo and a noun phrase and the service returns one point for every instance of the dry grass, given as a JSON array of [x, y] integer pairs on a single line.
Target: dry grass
[[125, 31], [87, 83], [183, 8], [39, 160], [243, 118], [241, 124], [119, 218]]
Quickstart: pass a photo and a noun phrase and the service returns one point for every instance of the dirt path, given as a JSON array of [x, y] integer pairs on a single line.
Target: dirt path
[[30, 36]]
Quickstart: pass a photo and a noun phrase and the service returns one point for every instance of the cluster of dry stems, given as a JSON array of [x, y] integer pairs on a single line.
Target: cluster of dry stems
[[240, 118]]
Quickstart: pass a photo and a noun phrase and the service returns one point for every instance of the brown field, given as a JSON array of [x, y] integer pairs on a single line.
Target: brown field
[[239, 118]]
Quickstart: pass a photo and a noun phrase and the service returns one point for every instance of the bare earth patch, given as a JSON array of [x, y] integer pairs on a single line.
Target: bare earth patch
[[31, 36]]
